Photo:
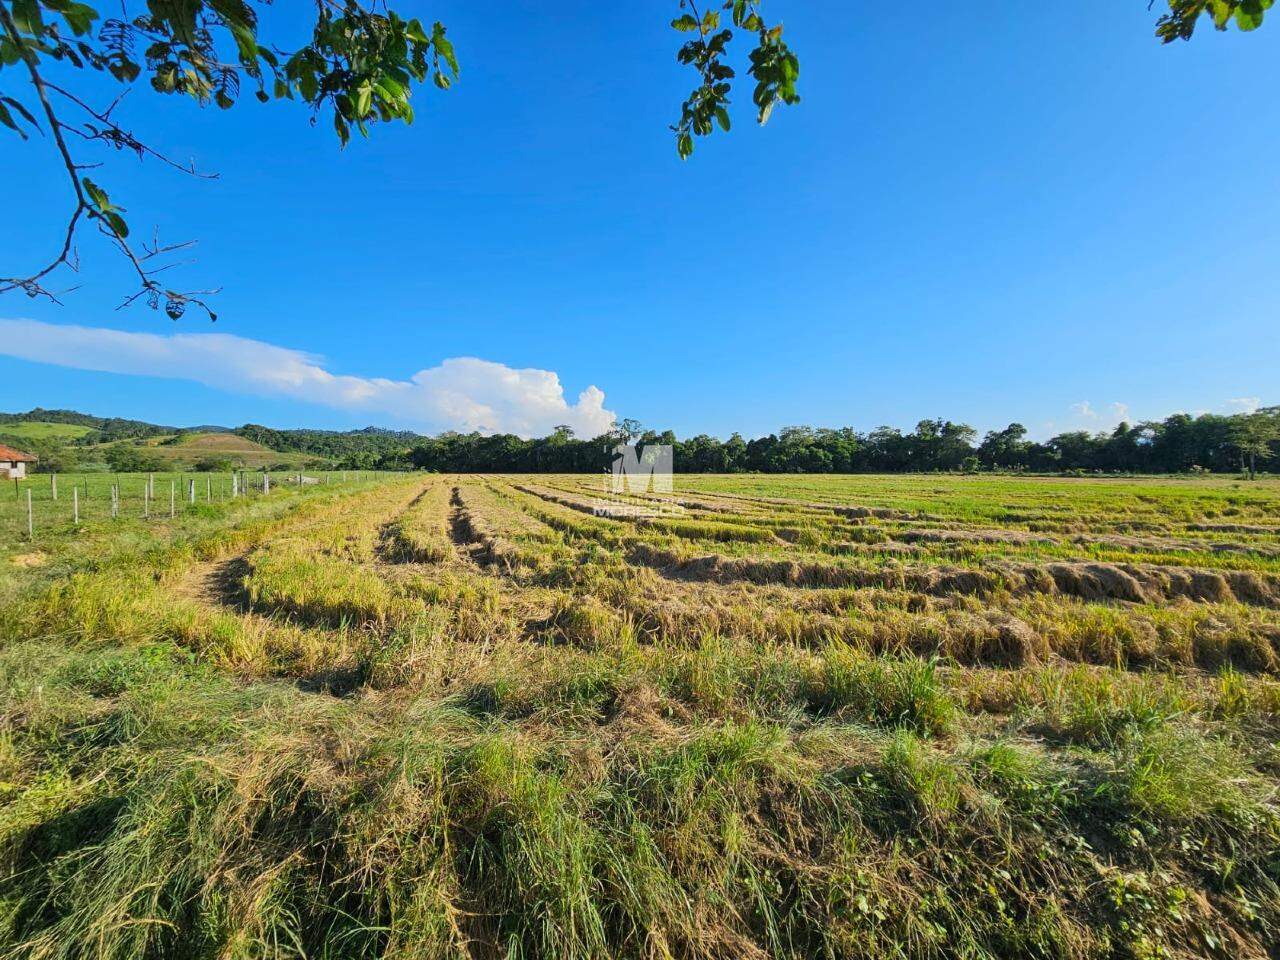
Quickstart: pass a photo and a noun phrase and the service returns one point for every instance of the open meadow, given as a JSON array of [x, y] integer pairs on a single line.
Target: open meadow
[[427, 715]]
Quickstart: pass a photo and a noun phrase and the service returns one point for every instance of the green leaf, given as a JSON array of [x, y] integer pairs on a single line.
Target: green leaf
[[722, 117], [685, 24], [415, 32], [126, 71], [117, 224], [1249, 16], [27, 18], [79, 16], [444, 48], [7, 119], [308, 86], [97, 195], [23, 111]]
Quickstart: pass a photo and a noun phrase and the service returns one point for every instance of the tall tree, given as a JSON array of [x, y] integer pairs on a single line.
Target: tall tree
[[1252, 436]]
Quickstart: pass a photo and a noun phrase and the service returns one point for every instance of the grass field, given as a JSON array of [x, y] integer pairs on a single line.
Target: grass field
[[470, 716], [191, 448], [40, 430], [55, 501]]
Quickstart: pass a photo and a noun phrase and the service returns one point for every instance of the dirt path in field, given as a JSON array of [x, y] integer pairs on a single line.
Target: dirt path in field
[[466, 541], [218, 583]]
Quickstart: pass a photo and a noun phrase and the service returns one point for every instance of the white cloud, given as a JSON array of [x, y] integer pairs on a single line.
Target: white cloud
[[1245, 404], [461, 393], [1085, 416]]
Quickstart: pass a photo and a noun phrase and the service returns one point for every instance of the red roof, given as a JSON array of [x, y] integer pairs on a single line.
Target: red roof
[[13, 456]]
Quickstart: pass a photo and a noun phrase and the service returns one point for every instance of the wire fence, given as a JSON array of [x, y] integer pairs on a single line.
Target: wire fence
[[53, 502]]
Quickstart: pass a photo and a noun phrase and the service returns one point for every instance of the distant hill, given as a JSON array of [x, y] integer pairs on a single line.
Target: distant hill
[[103, 428], [91, 437]]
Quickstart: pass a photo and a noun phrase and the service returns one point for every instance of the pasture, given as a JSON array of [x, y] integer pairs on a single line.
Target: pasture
[[40, 430], [427, 715]]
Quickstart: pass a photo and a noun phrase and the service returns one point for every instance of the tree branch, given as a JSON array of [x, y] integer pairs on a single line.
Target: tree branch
[[175, 303], [118, 137], [32, 284]]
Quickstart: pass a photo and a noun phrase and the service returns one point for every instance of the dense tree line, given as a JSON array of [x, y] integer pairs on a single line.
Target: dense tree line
[[1177, 444], [363, 447]]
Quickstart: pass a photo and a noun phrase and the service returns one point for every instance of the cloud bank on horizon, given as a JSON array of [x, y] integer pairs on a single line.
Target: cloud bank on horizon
[[461, 393]]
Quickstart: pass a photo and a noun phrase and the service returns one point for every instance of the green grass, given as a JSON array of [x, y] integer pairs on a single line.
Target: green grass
[[39, 430], [417, 716]]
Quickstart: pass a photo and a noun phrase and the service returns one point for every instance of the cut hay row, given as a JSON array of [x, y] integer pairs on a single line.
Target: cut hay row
[[323, 575], [927, 542], [849, 511], [1089, 581], [570, 516], [677, 610], [687, 529], [1116, 542], [705, 504], [501, 537], [420, 534], [1062, 505]]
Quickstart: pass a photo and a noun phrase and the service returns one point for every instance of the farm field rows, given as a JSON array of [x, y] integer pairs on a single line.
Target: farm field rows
[[477, 716]]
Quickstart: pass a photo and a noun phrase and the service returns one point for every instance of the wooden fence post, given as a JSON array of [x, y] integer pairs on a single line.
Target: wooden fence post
[[192, 490], [53, 485], [173, 499], [75, 505], [31, 523]]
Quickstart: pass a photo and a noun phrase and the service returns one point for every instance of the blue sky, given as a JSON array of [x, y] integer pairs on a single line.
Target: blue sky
[[1017, 216]]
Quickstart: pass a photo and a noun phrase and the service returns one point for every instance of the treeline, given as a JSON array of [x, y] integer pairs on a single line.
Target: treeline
[[363, 448], [1177, 444]]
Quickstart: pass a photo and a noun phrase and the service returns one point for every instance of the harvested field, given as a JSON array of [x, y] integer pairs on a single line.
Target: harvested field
[[479, 716]]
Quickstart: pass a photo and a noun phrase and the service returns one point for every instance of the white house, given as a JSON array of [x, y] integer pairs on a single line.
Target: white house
[[13, 463]]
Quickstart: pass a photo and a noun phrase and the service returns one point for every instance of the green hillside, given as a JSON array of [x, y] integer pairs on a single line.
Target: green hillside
[[188, 449], [44, 430], [68, 439]]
